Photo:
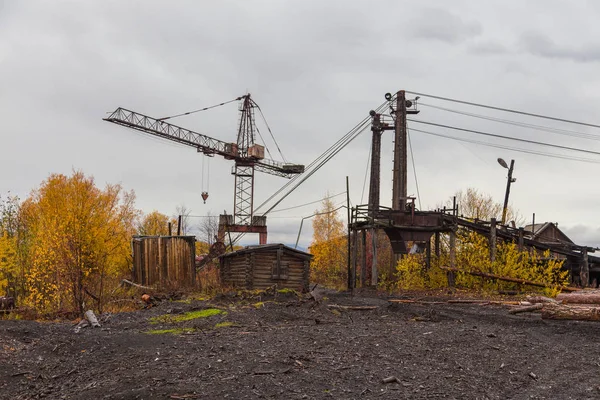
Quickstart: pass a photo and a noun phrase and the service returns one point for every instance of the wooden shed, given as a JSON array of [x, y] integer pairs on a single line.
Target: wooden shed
[[260, 267], [167, 261]]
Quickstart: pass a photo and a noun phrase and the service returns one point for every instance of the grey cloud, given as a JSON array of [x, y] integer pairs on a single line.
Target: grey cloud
[[582, 234], [487, 48], [541, 45], [437, 24]]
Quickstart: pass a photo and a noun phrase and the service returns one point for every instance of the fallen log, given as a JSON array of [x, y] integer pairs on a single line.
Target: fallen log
[[540, 299], [354, 308], [91, 317], [580, 298], [510, 279], [530, 308], [566, 312], [406, 301], [137, 285]]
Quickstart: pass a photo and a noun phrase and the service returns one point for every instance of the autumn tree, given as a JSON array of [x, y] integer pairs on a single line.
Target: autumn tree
[[80, 241], [154, 224], [11, 267], [473, 204], [183, 212], [329, 246]]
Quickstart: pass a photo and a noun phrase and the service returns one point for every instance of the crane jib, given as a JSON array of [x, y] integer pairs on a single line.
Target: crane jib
[[204, 144]]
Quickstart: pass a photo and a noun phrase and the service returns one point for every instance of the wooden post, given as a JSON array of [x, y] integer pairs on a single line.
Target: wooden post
[[170, 230], [493, 240], [363, 267], [438, 251], [521, 238], [374, 263], [451, 276], [354, 256], [179, 226], [428, 255], [584, 273], [349, 250]]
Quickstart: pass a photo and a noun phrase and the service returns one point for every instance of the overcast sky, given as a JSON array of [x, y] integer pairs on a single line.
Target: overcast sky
[[316, 68]]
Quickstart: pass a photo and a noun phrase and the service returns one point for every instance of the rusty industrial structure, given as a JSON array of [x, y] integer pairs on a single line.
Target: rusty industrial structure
[[248, 157], [403, 223]]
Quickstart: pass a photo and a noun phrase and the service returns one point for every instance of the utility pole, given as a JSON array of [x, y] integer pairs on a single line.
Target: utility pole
[[508, 182], [374, 184], [350, 274], [374, 188], [400, 155], [399, 183]]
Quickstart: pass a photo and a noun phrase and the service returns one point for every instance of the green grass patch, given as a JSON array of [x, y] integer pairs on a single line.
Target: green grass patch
[[188, 316], [223, 325], [175, 331], [192, 297], [286, 291]]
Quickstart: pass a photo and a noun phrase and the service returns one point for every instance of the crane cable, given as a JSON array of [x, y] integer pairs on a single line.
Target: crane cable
[[269, 129], [200, 109]]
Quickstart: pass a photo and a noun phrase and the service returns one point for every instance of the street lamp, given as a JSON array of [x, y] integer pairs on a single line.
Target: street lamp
[[509, 181]]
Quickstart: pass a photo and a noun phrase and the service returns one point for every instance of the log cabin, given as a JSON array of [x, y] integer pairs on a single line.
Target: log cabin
[[263, 266]]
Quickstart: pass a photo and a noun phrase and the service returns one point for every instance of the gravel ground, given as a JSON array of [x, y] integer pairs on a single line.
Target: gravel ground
[[285, 348]]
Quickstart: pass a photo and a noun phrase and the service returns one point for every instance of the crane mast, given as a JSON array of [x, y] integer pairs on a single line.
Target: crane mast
[[247, 155]]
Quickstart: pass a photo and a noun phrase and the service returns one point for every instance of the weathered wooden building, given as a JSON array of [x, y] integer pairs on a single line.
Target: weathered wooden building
[[165, 261], [260, 267]]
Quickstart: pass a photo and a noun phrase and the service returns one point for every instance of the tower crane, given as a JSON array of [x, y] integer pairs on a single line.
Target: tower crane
[[248, 157]]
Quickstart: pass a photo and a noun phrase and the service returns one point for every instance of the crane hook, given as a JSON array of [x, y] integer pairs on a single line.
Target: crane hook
[[204, 196]]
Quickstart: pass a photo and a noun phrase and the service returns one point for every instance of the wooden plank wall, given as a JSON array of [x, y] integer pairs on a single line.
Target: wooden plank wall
[[234, 271], [254, 270], [263, 269], [164, 261]]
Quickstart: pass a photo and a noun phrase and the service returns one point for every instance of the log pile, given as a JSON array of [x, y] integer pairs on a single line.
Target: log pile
[[583, 305]]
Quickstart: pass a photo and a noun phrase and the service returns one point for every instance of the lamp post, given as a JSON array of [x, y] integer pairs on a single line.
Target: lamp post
[[508, 182]]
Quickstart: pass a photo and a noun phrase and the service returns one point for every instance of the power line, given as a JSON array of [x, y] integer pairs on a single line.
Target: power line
[[316, 164], [557, 146], [500, 146], [309, 203], [412, 157], [520, 124], [330, 152], [505, 109], [366, 173]]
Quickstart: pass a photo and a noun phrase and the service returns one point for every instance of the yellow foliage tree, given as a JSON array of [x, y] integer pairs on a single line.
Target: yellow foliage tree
[[329, 247], [474, 204], [80, 241], [473, 254], [11, 276], [8, 264], [154, 224]]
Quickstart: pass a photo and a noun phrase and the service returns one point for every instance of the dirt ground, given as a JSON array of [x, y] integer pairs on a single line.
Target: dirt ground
[[282, 348]]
